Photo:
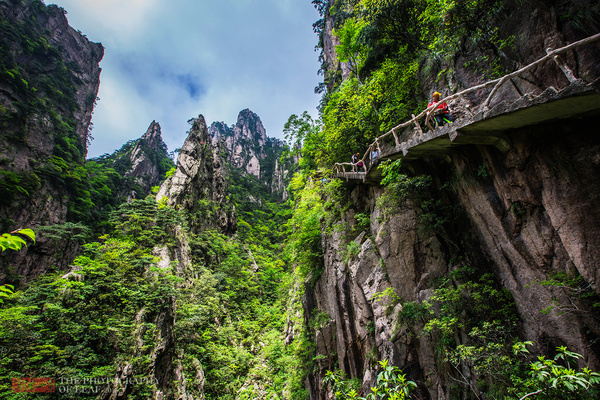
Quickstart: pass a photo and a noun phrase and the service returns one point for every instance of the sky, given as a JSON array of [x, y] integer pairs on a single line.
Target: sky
[[170, 61]]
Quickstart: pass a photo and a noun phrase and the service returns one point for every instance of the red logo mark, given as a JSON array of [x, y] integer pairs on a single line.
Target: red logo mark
[[33, 385]]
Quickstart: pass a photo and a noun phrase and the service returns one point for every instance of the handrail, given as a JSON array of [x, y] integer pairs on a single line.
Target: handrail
[[550, 54]]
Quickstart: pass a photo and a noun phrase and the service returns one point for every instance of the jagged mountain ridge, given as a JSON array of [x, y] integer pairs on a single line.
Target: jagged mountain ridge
[[252, 152], [244, 141], [146, 158], [142, 163], [244, 146], [201, 175]]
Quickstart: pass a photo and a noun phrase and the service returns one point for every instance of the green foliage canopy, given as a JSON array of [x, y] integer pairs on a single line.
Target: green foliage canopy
[[385, 44]]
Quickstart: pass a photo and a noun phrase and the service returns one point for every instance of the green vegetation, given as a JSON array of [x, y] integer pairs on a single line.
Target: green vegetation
[[111, 308], [260, 214], [305, 140], [405, 191], [13, 242], [515, 375], [387, 46], [224, 312], [391, 385], [551, 380], [109, 184], [319, 203], [42, 77]]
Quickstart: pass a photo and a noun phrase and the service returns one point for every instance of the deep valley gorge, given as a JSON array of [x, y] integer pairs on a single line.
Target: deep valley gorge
[[453, 261]]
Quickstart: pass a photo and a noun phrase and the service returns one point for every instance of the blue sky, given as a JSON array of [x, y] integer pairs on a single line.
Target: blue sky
[[172, 60]]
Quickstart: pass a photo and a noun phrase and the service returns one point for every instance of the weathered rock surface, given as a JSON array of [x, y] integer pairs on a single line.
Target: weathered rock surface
[[244, 141], [525, 216], [251, 151], [141, 163], [537, 217], [75, 50], [36, 103], [393, 254], [334, 69], [281, 177], [143, 158], [534, 216], [200, 175]]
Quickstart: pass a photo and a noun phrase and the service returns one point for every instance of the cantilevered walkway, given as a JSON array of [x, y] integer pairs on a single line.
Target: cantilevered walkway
[[483, 125]]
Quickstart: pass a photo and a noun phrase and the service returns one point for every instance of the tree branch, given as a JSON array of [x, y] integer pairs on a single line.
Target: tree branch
[[531, 394]]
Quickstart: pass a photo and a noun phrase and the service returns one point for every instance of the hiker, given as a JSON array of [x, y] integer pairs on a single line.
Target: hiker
[[360, 166], [444, 115], [355, 158]]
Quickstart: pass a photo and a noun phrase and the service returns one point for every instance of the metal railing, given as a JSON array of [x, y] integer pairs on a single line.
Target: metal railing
[[368, 160]]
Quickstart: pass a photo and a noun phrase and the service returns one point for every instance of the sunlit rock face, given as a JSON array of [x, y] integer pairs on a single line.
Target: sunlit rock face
[[244, 141], [252, 152], [143, 157], [200, 174]]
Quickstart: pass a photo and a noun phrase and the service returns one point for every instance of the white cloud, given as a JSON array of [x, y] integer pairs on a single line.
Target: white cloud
[[125, 19], [170, 61]]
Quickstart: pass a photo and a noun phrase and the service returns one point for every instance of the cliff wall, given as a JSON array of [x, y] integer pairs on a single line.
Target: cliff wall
[[147, 157], [527, 220], [244, 141], [524, 217], [48, 87]]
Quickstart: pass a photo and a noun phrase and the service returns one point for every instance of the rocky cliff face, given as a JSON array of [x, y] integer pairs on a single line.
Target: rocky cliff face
[[244, 141], [525, 217], [48, 87], [142, 164], [282, 174], [333, 69], [530, 217], [200, 176], [143, 157], [55, 45], [251, 151]]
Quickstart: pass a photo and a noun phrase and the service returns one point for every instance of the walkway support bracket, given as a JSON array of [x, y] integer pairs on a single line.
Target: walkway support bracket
[[561, 64]]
